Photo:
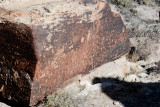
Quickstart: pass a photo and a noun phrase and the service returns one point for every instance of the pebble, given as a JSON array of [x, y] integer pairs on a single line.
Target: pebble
[[115, 103], [132, 78], [143, 75]]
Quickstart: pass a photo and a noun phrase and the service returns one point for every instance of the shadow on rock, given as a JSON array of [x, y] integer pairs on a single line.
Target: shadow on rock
[[12, 103], [131, 94], [17, 63]]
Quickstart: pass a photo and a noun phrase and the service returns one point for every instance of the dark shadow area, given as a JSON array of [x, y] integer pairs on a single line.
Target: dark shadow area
[[12, 103], [131, 94], [17, 63], [17, 47]]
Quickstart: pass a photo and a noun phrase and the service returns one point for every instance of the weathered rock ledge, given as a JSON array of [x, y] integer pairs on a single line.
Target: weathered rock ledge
[[43, 45]]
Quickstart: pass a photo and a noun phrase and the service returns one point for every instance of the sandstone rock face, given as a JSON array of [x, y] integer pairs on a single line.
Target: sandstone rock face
[[43, 45]]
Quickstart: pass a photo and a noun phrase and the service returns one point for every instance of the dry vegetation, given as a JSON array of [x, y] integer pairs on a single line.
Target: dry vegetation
[[125, 3], [59, 99]]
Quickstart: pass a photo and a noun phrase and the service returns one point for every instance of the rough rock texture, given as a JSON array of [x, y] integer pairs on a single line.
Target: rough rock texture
[[56, 41], [17, 61]]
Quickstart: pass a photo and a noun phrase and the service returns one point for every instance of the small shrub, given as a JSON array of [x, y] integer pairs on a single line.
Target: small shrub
[[59, 99], [145, 2], [121, 3], [125, 3], [148, 2]]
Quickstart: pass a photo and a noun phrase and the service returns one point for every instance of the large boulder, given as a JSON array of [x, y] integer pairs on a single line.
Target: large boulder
[[44, 45]]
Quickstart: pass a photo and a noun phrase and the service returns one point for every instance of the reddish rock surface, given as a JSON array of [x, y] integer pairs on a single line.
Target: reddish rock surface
[[56, 42]]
